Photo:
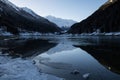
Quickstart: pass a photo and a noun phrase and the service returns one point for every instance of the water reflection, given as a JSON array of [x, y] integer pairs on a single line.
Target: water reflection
[[63, 61], [106, 50], [25, 47], [62, 55]]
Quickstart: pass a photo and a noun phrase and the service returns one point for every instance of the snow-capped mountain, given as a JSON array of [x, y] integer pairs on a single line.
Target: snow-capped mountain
[[15, 19], [61, 22], [29, 11]]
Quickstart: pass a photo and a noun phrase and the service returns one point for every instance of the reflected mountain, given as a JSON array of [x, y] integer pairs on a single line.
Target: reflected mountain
[[63, 62], [25, 47], [106, 50]]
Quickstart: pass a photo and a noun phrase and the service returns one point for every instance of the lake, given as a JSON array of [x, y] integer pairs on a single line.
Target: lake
[[97, 56]]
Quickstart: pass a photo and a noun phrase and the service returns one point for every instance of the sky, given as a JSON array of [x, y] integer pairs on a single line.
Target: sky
[[67, 9]]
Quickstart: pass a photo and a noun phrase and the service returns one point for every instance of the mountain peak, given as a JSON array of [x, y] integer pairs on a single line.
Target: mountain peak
[[107, 4], [112, 0], [59, 18], [61, 22], [29, 11], [10, 4]]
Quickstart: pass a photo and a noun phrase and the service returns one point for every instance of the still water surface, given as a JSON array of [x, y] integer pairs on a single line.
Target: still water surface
[[60, 56]]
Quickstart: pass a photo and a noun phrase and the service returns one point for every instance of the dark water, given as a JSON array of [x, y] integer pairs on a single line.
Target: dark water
[[61, 55], [25, 47]]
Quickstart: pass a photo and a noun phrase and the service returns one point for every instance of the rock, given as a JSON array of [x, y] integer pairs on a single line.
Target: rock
[[75, 72]]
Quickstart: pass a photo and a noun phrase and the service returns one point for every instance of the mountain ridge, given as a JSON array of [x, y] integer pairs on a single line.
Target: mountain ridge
[[13, 17], [105, 19]]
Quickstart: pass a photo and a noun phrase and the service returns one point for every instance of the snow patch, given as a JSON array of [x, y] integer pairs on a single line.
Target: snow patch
[[19, 69], [86, 75]]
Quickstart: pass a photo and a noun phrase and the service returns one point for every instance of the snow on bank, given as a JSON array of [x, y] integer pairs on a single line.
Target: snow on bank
[[29, 33], [6, 34], [19, 69], [100, 34], [113, 33]]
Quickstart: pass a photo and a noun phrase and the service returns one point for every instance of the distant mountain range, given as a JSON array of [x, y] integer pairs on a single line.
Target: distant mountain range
[[14, 19], [62, 23], [105, 19]]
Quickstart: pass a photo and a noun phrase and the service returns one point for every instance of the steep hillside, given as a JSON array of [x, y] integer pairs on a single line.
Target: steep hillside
[[13, 18], [105, 19]]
